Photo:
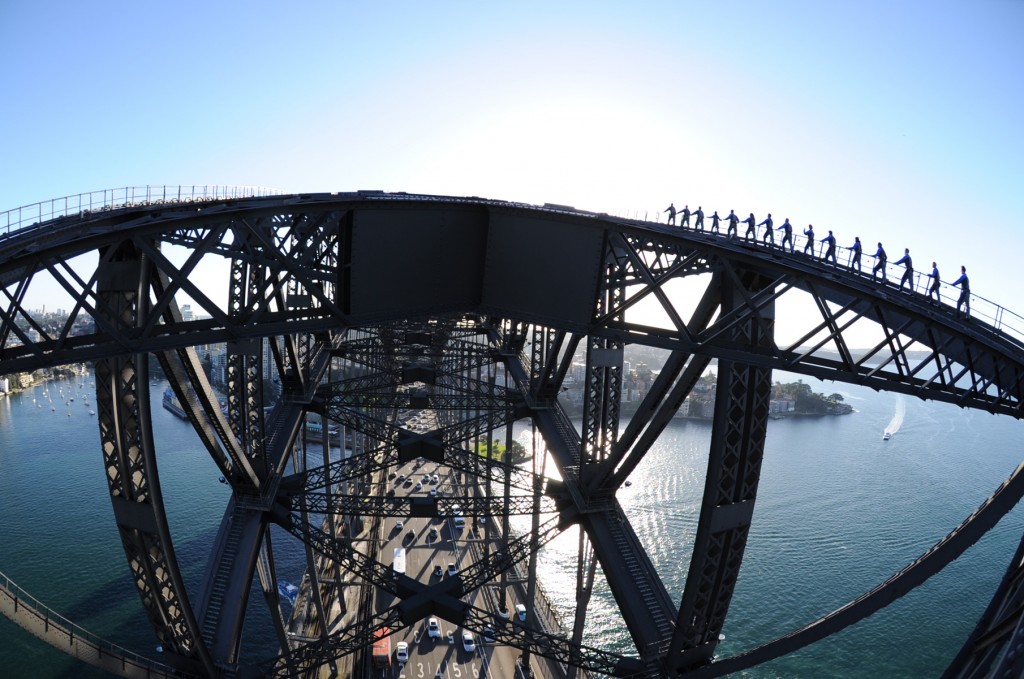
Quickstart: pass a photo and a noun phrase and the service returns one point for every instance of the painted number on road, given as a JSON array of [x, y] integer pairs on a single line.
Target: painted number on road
[[449, 669]]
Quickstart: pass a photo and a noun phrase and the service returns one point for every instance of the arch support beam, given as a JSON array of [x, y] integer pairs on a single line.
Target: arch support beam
[[129, 456], [734, 469]]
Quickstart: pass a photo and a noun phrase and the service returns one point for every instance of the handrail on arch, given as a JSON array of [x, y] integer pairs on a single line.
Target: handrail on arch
[[999, 317], [125, 196]]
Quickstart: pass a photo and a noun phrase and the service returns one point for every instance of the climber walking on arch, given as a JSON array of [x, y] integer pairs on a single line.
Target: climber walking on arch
[[908, 275]]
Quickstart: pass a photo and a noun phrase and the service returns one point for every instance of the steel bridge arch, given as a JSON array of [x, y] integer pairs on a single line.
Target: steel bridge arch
[[324, 272]]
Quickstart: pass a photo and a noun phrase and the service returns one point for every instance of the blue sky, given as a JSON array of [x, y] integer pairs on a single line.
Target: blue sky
[[894, 121]]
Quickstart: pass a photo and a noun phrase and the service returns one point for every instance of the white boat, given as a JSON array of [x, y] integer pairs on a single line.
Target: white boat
[[886, 436]]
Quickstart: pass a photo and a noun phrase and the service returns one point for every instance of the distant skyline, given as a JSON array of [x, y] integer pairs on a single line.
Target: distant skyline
[[895, 122]]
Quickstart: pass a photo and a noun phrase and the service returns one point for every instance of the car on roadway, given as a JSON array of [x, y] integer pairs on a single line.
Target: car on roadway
[[468, 642], [452, 570], [432, 535], [488, 633], [398, 525], [521, 612], [433, 492], [433, 629], [435, 479], [419, 486], [410, 536], [437, 571], [402, 652]]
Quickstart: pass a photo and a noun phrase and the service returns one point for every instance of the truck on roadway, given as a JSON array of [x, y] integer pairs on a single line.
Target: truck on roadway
[[382, 647]]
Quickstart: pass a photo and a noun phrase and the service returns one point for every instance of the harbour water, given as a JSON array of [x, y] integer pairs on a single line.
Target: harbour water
[[838, 511]]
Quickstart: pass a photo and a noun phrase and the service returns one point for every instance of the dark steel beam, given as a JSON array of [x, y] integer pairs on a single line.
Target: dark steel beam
[[734, 467], [129, 453]]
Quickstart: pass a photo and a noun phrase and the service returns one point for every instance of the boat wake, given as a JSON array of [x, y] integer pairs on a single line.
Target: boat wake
[[897, 419]]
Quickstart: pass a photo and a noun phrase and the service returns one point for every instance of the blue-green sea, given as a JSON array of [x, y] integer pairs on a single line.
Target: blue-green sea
[[838, 511]]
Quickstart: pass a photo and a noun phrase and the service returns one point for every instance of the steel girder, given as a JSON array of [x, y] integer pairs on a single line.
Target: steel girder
[[417, 601], [122, 401], [730, 489], [994, 647], [639, 593], [322, 503], [945, 551], [443, 599], [967, 364], [307, 242], [970, 364]]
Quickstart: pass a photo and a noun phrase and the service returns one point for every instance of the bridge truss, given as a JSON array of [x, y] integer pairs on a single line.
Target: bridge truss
[[408, 322]]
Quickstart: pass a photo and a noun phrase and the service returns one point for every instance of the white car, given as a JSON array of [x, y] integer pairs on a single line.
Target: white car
[[433, 629], [468, 642], [402, 652], [452, 570], [521, 612]]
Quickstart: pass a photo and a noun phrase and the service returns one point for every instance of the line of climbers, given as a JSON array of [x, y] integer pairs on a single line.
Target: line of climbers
[[828, 246]]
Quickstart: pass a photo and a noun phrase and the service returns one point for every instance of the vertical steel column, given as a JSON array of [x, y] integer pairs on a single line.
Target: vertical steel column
[[123, 408], [531, 578], [266, 570], [603, 395], [734, 468], [312, 568], [335, 522], [602, 400], [586, 569], [506, 501], [244, 369]]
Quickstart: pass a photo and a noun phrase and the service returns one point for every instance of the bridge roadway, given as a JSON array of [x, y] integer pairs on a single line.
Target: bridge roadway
[[428, 543], [431, 543]]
